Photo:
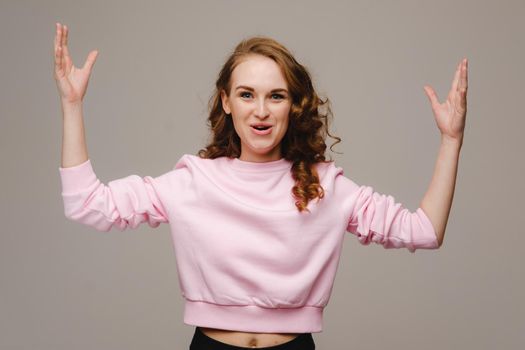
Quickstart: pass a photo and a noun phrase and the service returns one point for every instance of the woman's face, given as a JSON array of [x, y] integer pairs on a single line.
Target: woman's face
[[258, 96]]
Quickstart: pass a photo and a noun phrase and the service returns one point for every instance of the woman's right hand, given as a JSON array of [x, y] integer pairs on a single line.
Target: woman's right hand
[[72, 82]]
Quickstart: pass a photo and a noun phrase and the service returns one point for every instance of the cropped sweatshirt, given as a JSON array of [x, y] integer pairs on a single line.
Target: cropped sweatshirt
[[247, 259]]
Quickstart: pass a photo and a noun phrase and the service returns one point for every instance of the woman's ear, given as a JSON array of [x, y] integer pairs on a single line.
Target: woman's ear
[[225, 102]]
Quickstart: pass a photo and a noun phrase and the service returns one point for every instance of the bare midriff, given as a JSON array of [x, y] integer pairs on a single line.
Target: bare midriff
[[247, 339]]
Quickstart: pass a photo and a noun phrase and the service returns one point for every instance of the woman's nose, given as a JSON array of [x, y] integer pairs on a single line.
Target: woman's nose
[[261, 109]]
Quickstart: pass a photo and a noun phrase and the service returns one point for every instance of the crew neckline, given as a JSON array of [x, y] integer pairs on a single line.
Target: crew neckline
[[272, 165]]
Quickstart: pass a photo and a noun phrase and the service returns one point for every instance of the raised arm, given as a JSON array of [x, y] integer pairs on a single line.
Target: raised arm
[[123, 203], [450, 118], [72, 84]]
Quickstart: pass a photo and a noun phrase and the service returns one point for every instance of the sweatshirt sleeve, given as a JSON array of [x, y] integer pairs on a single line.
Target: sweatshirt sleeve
[[376, 217], [122, 203]]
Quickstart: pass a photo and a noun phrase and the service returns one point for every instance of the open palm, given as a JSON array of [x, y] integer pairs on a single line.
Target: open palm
[[450, 115], [71, 81]]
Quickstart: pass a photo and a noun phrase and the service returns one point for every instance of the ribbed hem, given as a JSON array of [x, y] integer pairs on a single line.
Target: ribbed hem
[[252, 318]]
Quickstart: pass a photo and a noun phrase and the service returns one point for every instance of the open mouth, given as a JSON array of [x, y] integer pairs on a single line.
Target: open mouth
[[260, 127]]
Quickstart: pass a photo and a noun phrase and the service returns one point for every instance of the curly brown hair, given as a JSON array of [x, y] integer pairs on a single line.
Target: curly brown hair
[[304, 141]]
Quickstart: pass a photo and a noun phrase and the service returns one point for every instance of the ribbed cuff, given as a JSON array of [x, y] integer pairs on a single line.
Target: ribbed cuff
[[428, 230], [77, 178]]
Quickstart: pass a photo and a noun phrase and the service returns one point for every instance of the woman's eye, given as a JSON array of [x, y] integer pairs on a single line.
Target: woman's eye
[[247, 94]]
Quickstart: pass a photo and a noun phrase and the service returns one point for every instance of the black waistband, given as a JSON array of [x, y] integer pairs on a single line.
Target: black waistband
[[201, 341]]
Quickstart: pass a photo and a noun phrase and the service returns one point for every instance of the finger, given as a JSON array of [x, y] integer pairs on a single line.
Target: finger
[[58, 49], [90, 61], [67, 58], [56, 35], [432, 96], [455, 81], [463, 80], [63, 36], [463, 101], [58, 62], [66, 31], [463, 85]]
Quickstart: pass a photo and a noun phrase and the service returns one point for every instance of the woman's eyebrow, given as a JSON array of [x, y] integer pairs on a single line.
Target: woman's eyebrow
[[251, 89]]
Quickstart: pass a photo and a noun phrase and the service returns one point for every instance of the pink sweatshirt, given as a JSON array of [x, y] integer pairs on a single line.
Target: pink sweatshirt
[[247, 259]]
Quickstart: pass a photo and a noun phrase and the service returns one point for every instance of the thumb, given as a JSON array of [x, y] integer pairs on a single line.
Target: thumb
[[432, 96], [90, 60]]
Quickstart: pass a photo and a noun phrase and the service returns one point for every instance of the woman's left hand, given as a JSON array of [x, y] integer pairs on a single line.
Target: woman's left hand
[[450, 115]]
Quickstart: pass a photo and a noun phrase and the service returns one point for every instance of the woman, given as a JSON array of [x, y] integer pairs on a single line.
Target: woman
[[258, 217]]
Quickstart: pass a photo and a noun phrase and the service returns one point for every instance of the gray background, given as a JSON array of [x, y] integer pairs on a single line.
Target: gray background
[[66, 286]]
